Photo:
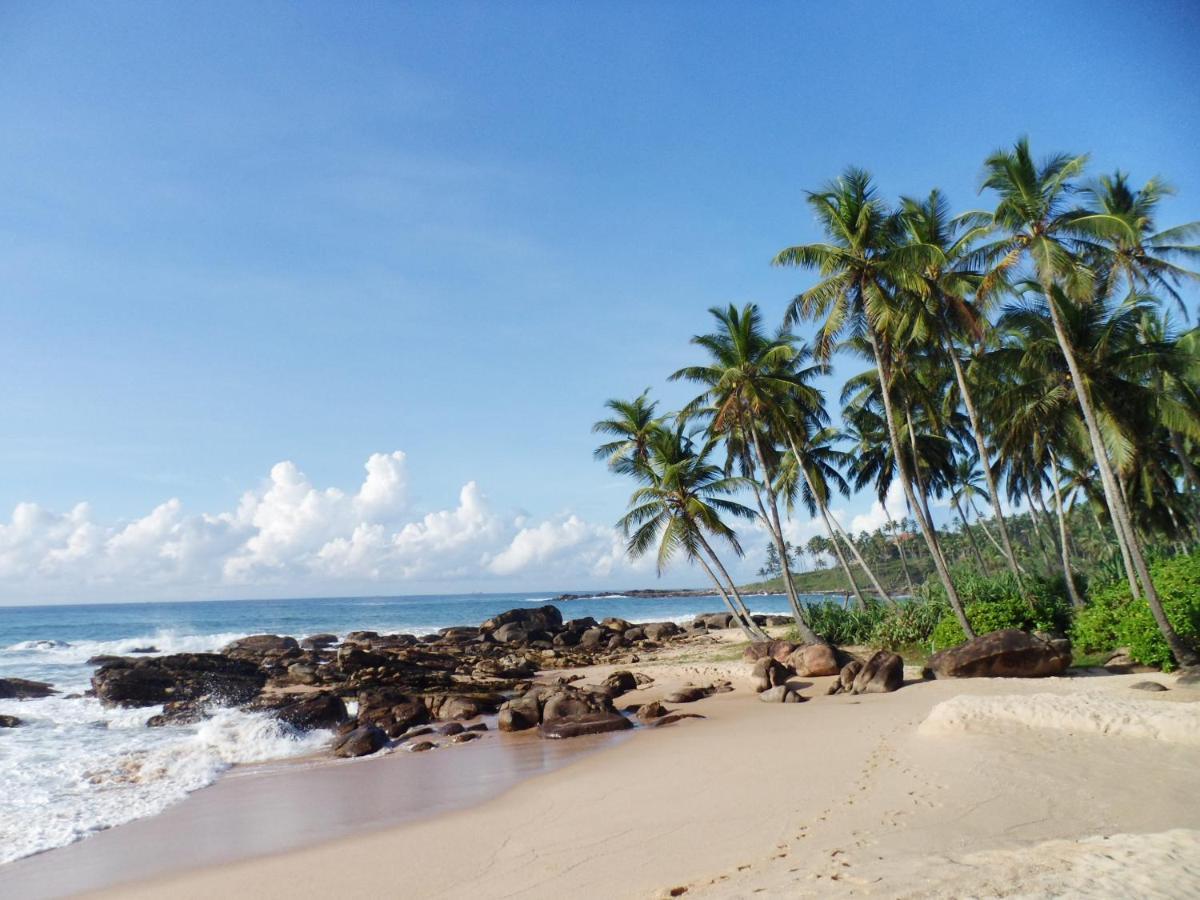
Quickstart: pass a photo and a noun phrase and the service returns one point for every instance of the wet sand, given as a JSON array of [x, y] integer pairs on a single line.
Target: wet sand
[[266, 809]]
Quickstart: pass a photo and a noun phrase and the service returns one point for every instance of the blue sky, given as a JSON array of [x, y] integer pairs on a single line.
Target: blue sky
[[239, 234]]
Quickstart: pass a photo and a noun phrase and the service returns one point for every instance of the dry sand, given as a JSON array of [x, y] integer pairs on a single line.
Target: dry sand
[[839, 796]]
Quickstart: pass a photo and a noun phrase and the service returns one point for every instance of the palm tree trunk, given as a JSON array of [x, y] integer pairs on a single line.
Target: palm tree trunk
[[983, 566], [832, 524], [746, 630], [899, 549], [1064, 544], [1184, 654], [985, 464], [927, 532], [987, 532], [1037, 530], [776, 528]]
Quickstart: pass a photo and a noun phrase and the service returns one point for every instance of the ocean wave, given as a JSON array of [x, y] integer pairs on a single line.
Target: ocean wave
[[76, 767], [158, 643]]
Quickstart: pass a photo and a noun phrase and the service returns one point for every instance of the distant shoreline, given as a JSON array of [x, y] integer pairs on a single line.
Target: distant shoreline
[[660, 593]]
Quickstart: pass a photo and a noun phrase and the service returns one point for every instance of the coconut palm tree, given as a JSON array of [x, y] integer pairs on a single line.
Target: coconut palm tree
[[864, 263], [632, 425], [1041, 228], [680, 508]]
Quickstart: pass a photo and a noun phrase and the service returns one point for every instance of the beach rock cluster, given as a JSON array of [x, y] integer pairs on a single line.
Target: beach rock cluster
[[399, 683], [881, 673], [23, 689], [775, 662]]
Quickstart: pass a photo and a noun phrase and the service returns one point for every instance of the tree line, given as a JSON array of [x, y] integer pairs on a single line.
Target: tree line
[[1026, 352]]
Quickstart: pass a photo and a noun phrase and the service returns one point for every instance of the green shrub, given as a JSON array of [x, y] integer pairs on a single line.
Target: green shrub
[[843, 625], [995, 602], [911, 622], [1112, 619]]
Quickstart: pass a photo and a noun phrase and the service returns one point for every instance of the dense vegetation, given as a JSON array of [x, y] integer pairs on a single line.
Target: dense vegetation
[[1022, 354]]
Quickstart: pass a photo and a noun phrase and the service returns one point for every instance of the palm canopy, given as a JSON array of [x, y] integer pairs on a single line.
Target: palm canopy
[[682, 500], [632, 425]]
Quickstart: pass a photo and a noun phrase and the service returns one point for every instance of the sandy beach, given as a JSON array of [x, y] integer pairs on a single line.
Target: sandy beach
[[972, 787]]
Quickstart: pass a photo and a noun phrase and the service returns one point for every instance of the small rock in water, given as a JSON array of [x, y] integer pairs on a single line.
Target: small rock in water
[[451, 728], [150, 649], [1148, 686], [9, 721], [464, 737], [362, 741], [478, 726], [421, 746], [23, 689]]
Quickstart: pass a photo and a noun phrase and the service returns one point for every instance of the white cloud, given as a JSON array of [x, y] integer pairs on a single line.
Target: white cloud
[[291, 536], [875, 517]]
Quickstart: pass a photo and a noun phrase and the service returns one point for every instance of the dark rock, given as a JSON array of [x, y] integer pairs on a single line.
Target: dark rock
[[1152, 686], [23, 689], [321, 710], [660, 631], [1009, 653], [617, 625], [768, 673], [421, 746], [542, 618], [217, 679], [303, 673], [149, 649], [779, 650], [256, 646], [512, 633], [881, 674], [519, 714], [649, 711], [179, 712], [451, 728], [781, 693], [391, 709], [362, 741], [465, 737], [636, 633], [585, 723], [478, 726], [715, 620], [689, 694], [814, 661], [672, 718], [846, 677], [9, 721], [579, 626], [593, 637], [622, 682], [318, 641]]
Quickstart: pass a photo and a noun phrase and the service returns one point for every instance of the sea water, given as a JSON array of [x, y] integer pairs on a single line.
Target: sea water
[[75, 766]]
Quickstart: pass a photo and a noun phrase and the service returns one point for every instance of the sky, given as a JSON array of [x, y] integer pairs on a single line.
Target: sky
[[308, 298]]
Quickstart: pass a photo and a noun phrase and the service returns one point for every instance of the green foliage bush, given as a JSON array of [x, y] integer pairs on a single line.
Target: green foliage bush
[[993, 602], [912, 622], [843, 625], [1113, 619]]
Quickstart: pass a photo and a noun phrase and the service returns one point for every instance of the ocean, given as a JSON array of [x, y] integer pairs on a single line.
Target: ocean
[[74, 767]]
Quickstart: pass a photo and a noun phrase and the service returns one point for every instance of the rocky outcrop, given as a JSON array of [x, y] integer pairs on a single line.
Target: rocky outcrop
[[391, 710], [261, 646], [216, 679], [320, 710], [542, 618], [23, 689], [1010, 653], [581, 724]]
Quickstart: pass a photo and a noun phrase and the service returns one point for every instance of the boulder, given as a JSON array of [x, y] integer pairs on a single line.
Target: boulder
[[256, 646], [814, 661], [211, 677], [714, 620], [179, 712], [519, 714], [650, 711], [688, 694], [768, 673], [22, 689], [511, 633], [421, 747], [450, 729], [303, 673], [1151, 686], [585, 723], [542, 618], [320, 710], [660, 631], [614, 624], [318, 641], [9, 721], [391, 709], [779, 650], [1010, 653], [846, 677], [594, 637], [464, 737], [881, 674], [636, 633], [621, 682], [362, 741], [781, 693]]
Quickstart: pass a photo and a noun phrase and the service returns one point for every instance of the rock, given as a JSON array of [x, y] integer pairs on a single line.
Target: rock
[[148, 649], [714, 620], [779, 650], [362, 741], [881, 674], [512, 633], [672, 718], [846, 677], [778, 621], [566, 702], [622, 682], [478, 726], [416, 731], [391, 709], [768, 673], [542, 618], [1189, 677], [649, 711], [179, 712], [1152, 686], [320, 710], [216, 679], [593, 637], [660, 631], [459, 634], [519, 714], [318, 641], [9, 721], [781, 693], [421, 747], [256, 646], [451, 728], [814, 661], [303, 673], [464, 737], [462, 708], [1010, 653], [689, 694], [614, 624], [23, 689], [636, 633], [586, 723]]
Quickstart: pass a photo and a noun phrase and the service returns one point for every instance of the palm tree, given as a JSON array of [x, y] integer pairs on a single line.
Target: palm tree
[[863, 263], [1039, 227], [633, 423], [679, 507], [746, 375], [954, 321]]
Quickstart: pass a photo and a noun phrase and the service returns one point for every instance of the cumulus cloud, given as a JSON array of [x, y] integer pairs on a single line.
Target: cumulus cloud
[[876, 517], [289, 535]]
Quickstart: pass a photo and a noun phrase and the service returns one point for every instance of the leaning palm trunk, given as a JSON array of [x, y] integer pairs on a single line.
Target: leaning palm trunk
[[1037, 530], [841, 557], [900, 549], [776, 528], [1184, 654], [742, 623], [983, 566], [832, 525], [931, 541], [984, 462], [1063, 539]]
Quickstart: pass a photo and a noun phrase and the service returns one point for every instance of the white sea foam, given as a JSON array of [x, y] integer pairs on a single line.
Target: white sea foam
[[76, 767], [78, 652]]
